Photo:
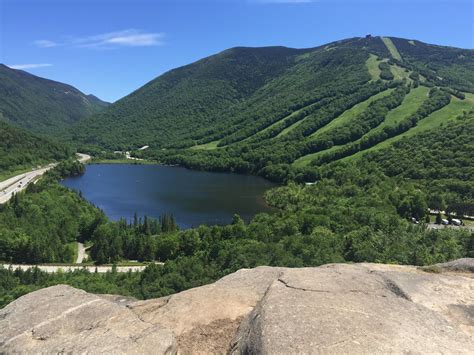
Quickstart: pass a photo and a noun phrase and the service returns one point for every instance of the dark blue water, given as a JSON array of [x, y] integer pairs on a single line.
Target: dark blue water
[[193, 197]]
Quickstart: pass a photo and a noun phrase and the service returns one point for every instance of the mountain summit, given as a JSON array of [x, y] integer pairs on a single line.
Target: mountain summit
[[230, 96]]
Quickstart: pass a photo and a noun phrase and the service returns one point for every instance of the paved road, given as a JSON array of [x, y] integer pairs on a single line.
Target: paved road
[[51, 269], [81, 253], [18, 183], [442, 226]]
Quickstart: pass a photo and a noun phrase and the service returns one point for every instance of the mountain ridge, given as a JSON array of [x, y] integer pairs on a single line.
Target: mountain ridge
[[42, 105], [196, 103]]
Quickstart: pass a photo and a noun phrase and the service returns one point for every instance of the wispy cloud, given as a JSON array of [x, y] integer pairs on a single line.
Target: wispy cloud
[[44, 43], [110, 40], [29, 66]]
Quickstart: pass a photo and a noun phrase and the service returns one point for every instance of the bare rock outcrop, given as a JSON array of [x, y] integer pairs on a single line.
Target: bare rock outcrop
[[62, 319], [336, 308]]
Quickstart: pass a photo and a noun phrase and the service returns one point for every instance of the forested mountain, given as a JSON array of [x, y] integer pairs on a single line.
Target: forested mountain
[[382, 127], [20, 149], [237, 85], [278, 111], [42, 105]]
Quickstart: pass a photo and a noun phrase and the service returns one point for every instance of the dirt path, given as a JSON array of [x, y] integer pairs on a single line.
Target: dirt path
[[81, 253]]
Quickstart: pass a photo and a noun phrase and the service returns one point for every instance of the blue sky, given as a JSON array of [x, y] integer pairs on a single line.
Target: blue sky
[[111, 47]]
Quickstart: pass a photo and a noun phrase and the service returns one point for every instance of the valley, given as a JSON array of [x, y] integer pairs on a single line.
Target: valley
[[236, 177], [256, 156]]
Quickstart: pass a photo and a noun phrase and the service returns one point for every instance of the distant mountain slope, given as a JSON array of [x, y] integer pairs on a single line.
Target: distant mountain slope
[[444, 66], [20, 149], [215, 95], [235, 94], [442, 156], [279, 111], [42, 105]]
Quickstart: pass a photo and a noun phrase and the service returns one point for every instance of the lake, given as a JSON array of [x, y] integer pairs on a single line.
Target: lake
[[193, 197]]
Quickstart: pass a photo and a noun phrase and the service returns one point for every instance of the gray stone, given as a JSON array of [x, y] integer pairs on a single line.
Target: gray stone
[[460, 265], [360, 309], [63, 319], [336, 308]]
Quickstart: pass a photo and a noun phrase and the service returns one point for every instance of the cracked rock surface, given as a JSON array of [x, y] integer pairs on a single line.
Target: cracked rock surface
[[336, 308]]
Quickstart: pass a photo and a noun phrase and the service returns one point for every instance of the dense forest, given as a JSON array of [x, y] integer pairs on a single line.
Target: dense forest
[[365, 135], [354, 212], [234, 95], [20, 149], [439, 161], [443, 66], [42, 105], [240, 86], [44, 223]]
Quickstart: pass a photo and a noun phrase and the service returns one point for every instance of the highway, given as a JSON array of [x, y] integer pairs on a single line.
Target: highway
[[18, 183]]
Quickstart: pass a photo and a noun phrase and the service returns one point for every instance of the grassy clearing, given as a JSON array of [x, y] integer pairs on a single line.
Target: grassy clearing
[[306, 159], [287, 129], [391, 47], [345, 117], [447, 113], [290, 128], [207, 146], [399, 73], [409, 105], [436, 119], [373, 67]]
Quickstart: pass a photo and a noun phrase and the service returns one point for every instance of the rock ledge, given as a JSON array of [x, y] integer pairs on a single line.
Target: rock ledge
[[335, 308]]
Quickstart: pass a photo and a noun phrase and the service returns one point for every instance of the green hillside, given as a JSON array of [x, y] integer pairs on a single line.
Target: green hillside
[[20, 149], [41, 105], [441, 158], [240, 87], [367, 135], [279, 112]]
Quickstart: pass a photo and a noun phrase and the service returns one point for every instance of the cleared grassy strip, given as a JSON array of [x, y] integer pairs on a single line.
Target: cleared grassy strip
[[306, 159], [399, 73], [448, 113], [351, 113], [290, 128], [207, 146], [391, 47], [282, 121], [409, 106], [436, 119], [373, 67]]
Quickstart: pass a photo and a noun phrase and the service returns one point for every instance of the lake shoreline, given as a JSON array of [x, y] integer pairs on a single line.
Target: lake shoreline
[[193, 197]]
